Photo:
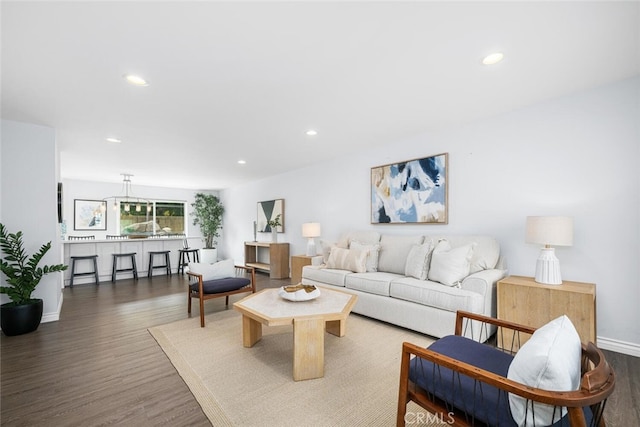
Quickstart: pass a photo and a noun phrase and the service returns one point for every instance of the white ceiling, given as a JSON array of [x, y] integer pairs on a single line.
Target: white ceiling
[[240, 80]]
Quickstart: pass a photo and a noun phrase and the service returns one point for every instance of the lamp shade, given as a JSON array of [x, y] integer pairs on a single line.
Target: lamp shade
[[311, 229], [550, 230]]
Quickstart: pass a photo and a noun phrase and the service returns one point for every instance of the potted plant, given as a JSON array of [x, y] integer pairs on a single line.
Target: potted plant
[[207, 213], [24, 313], [274, 224]]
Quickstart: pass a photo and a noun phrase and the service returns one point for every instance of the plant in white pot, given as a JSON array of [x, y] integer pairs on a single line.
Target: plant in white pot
[[274, 224], [24, 313], [207, 213]]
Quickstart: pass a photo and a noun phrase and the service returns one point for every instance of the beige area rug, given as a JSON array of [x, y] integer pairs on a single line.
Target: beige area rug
[[240, 386]]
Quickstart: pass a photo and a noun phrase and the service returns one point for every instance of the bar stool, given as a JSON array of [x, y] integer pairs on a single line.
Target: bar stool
[[115, 269], [167, 262], [185, 258], [88, 273]]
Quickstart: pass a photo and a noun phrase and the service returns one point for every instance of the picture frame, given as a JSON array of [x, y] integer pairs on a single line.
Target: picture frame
[[60, 199], [267, 211], [89, 214], [411, 192]]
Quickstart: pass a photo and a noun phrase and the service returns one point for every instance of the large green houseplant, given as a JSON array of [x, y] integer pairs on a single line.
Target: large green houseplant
[[24, 313], [207, 213]]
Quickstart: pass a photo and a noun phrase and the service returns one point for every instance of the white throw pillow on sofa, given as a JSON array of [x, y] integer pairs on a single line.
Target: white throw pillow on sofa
[[372, 258], [550, 360], [450, 266], [418, 261], [218, 270], [348, 259]]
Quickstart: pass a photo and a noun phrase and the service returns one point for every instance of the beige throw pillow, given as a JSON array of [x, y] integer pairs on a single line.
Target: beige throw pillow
[[326, 248], [372, 258], [450, 266], [348, 259], [418, 261]]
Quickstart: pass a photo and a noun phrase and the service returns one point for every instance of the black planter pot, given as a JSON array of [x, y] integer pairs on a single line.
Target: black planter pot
[[20, 319]]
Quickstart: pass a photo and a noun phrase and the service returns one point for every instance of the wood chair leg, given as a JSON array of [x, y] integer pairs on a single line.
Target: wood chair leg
[[403, 389], [226, 300], [189, 301], [201, 312]]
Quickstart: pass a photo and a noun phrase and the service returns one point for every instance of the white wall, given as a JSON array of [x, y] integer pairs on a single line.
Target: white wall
[[577, 155], [29, 200], [90, 190]]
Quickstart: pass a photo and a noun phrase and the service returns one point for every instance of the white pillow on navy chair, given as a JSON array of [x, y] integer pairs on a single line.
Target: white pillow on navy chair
[[218, 270]]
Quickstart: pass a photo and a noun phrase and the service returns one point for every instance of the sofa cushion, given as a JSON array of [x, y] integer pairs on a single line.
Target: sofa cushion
[[435, 295], [373, 283], [364, 237], [218, 270], [325, 275], [549, 360], [418, 260], [394, 251], [348, 259], [449, 266], [372, 257]]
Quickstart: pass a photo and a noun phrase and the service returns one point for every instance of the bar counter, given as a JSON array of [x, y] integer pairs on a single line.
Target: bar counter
[[105, 248]]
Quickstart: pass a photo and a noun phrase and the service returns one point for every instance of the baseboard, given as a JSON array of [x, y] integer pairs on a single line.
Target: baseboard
[[618, 346], [55, 316]]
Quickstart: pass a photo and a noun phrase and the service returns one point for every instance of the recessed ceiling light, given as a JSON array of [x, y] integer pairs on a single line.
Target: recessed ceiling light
[[242, 162], [493, 58], [311, 132], [116, 140], [136, 80]]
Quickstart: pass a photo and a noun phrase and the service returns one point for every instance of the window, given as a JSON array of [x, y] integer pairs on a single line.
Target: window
[[170, 216], [156, 218]]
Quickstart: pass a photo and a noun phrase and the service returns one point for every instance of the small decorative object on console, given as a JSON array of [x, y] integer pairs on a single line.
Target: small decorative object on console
[[299, 292]]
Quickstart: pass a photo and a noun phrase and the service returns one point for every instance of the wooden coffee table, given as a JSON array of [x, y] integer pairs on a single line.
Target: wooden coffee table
[[309, 318]]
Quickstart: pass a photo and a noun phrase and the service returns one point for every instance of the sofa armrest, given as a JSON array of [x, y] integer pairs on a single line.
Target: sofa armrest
[[317, 260], [484, 283]]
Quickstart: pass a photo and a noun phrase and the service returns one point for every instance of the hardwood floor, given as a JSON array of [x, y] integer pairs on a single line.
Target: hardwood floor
[[98, 365]]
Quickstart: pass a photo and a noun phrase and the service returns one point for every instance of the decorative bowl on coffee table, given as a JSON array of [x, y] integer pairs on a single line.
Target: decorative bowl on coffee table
[[299, 292]]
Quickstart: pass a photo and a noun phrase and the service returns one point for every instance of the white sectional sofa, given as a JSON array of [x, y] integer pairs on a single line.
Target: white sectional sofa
[[417, 282]]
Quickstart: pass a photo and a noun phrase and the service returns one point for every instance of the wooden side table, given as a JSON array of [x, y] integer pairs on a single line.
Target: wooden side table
[[523, 300], [297, 262]]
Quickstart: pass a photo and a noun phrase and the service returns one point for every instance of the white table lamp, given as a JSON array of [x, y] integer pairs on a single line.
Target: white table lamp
[[548, 231], [311, 230]]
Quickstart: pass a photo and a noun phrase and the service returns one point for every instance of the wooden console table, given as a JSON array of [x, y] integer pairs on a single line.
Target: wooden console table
[[271, 257], [522, 300]]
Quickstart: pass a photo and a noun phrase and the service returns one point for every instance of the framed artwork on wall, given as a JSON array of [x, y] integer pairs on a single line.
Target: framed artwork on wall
[[267, 211], [410, 192], [89, 214], [59, 194]]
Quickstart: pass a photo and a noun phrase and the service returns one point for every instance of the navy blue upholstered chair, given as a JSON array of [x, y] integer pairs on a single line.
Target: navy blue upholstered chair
[[244, 281], [464, 381]]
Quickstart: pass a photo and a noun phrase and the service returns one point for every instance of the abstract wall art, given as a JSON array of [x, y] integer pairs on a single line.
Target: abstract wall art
[[267, 211], [409, 192]]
